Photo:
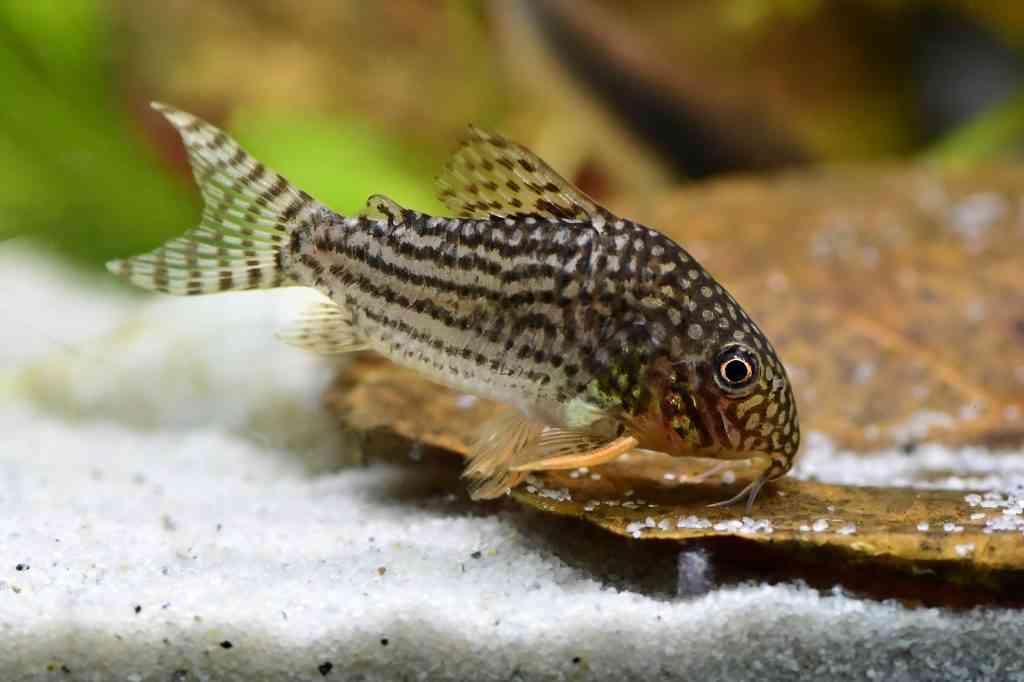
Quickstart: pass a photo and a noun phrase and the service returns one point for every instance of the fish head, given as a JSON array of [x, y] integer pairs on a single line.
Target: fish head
[[728, 397]]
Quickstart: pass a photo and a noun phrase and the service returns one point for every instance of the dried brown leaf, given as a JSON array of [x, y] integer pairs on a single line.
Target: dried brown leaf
[[895, 297]]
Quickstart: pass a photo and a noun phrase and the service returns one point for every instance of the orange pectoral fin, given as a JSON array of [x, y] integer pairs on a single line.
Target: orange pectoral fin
[[605, 453], [501, 441]]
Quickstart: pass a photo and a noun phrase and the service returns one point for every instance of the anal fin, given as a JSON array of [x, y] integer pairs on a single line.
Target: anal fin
[[324, 328]]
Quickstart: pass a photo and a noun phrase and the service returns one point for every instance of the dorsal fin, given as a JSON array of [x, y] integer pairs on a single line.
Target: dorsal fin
[[492, 177]]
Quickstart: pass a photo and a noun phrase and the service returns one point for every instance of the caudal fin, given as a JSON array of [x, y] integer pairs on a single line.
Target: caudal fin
[[249, 213]]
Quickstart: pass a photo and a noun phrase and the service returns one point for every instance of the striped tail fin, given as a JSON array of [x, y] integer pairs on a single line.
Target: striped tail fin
[[249, 213]]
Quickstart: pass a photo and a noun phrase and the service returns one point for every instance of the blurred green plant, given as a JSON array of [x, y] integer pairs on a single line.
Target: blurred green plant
[[74, 175], [78, 174], [339, 161], [77, 177]]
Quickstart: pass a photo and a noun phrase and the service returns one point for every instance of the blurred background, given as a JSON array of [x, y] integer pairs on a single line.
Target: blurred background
[[352, 98]]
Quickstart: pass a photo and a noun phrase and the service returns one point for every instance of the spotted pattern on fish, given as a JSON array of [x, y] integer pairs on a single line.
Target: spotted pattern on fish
[[534, 295]]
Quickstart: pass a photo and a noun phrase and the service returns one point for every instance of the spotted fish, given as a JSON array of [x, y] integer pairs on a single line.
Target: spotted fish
[[600, 335]]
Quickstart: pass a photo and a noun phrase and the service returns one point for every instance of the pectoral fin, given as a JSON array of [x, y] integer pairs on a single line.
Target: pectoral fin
[[502, 443], [512, 445], [578, 452]]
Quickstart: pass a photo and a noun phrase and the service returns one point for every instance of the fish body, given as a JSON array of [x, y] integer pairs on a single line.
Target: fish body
[[522, 311], [603, 335]]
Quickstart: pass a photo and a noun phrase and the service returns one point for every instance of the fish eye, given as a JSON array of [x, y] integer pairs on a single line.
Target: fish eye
[[736, 368]]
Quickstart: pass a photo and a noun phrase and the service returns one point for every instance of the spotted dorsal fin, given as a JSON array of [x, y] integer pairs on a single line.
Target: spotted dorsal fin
[[490, 176]]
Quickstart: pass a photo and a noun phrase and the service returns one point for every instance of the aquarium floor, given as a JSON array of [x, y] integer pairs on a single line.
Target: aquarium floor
[[176, 505]]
